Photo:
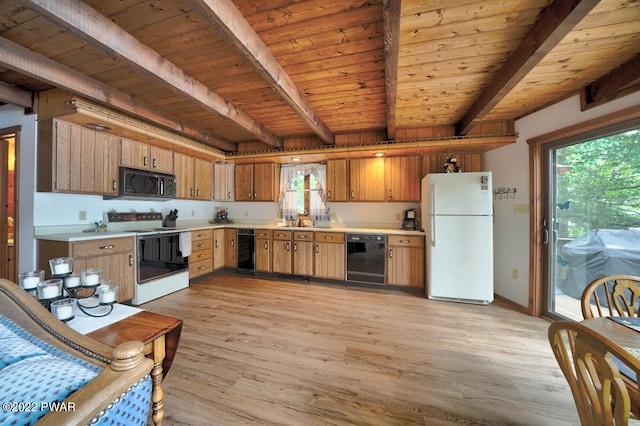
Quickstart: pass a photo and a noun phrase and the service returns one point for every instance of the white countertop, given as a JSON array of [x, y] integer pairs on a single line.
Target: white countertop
[[73, 234]]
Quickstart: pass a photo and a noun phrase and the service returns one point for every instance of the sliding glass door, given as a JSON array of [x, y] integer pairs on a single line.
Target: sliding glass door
[[592, 215]]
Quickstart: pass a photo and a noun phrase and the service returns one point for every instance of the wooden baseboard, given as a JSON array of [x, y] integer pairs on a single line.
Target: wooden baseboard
[[509, 304]]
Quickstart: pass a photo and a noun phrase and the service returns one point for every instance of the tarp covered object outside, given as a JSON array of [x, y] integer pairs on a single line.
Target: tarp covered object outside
[[598, 253]]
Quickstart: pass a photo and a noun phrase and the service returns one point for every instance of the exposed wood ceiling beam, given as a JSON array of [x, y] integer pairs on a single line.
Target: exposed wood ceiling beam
[[620, 81], [227, 20], [391, 22], [25, 61], [12, 95], [95, 29], [555, 22]]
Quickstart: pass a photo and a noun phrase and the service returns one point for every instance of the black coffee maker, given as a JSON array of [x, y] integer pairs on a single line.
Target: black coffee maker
[[410, 220]]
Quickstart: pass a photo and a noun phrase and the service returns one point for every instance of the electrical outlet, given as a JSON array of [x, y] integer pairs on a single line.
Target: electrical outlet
[[521, 208], [246, 213], [82, 215], [515, 274], [193, 213], [398, 216]]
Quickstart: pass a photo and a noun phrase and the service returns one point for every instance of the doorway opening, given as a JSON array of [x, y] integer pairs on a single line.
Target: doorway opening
[[9, 147]]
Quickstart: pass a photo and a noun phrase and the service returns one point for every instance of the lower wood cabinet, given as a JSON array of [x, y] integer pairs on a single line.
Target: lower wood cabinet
[[201, 259], [405, 260], [282, 246], [113, 255], [303, 253], [230, 250], [263, 250], [329, 255], [219, 249]]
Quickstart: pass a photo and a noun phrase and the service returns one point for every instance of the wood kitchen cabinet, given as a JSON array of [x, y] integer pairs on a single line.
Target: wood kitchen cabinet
[[230, 250], [113, 255], [303, 253], [193, 177], [366, 179], [282, 246], [76, 159], [337, 183], [223, 181], [147, 157], [255, 182], [263, 250], [219, 252], [201, 258], [403, 178], [405, 260], [329, 256]]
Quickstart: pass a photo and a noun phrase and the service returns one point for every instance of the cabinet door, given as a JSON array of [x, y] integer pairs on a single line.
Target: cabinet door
[[219, 251], [303, 258], [74, 158], [405, 261], [203, 179], [118, 268], [223, 182], [263, 255], [243, 182], [161, 160], [107, 150], [337, 184], [366, 179], [403, 177], [134, 154], [282, 259], [329, 261], [183, 168], [230, 250], [264, 179]]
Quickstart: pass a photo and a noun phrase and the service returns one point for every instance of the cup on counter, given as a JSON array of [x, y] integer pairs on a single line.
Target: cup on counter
[[29, 280], [50, 289], [61, 266], [64, 309], [91, 277]]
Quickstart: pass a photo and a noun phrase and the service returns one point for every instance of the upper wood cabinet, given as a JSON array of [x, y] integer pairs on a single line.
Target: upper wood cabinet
[[223, 182], [366, 179], [76, 159], [142, 156], [255, 182], [337, 184], [193, 177], [402, 175]]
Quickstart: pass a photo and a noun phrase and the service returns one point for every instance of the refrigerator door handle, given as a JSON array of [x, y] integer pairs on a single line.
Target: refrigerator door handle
[[432, 214]]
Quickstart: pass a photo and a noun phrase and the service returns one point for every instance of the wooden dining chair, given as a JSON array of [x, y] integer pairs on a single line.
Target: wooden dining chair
[[589, 362], [612, 296]]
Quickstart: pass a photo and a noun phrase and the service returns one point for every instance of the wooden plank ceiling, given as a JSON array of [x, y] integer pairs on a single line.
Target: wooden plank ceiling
[[241, 75]]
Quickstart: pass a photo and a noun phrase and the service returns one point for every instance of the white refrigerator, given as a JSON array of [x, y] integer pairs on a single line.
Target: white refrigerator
[[457, 216]]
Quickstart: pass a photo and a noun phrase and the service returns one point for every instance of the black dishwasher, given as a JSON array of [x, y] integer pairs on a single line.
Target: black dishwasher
[[246, 250], [366, 258]]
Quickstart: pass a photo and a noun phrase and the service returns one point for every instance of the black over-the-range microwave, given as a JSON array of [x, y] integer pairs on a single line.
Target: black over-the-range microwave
[[138, 184]]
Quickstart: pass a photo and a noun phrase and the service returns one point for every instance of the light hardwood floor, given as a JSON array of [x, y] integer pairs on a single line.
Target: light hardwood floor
[[258, 351]]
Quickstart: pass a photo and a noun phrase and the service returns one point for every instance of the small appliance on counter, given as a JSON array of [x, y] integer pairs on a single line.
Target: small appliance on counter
[[221, 216], [410, 220]]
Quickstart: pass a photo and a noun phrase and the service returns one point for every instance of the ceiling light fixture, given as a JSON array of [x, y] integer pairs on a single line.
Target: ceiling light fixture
[[379, 154], [97, 126]]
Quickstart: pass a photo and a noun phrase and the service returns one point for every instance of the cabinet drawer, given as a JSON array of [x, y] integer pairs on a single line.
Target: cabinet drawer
[[197, 256], [303, 236], [202, 234], [406, 240], [198, 268], [282, 235], [102, 247], [263, 234], [329, 237], [197, 245]]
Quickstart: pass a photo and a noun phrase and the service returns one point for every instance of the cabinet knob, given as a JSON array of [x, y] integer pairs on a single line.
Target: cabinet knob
[[110, 246], [229, 195], [191, 192], [266, 245], [329, 194], [216, 243], [353, 194], [295, 246], [390, 197], [317, 248], [328, 237], [145, 161], [288, 247], [233, 243], [405, 241], [155, 163], [130, 260], [197, 192], [390, 253], [114, 185]]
